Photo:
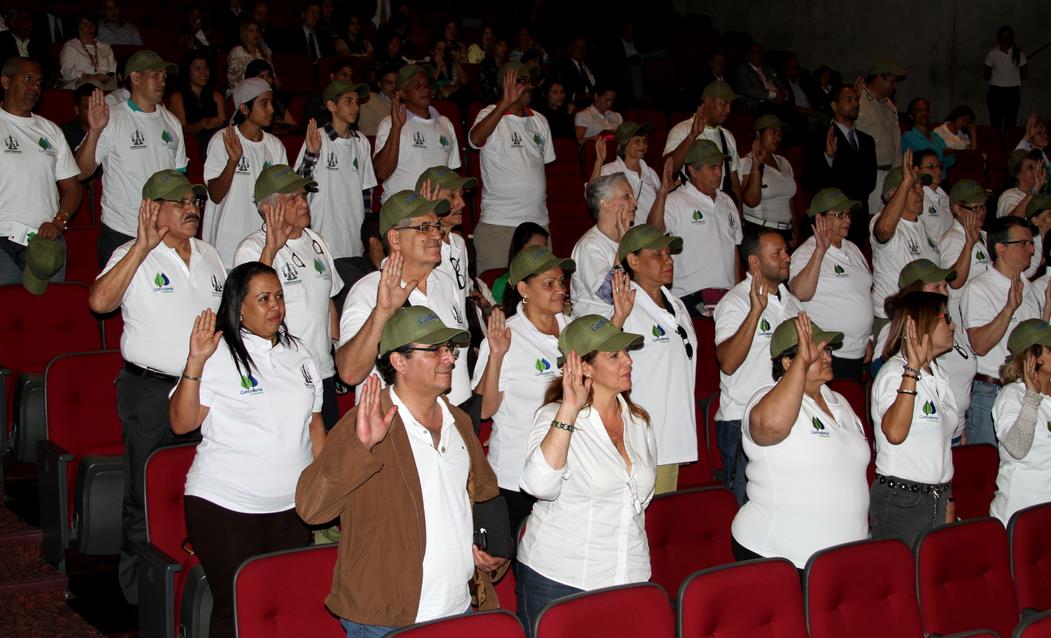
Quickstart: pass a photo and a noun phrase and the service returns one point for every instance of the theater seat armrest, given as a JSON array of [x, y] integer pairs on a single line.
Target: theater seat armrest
[[156, 580], [53, 493]]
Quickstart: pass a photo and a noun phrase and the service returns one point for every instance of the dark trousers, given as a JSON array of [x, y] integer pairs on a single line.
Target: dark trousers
[[848, 368], [330, 404], [223, 539], [742, 553], [535, 592], [519, 506], [735, 463], [108, 241], [904, 514], [142, 404], [695, 301], [1003, 104]]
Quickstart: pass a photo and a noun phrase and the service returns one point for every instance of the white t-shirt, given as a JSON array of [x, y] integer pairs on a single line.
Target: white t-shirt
[[681, 131], [785, 515], [455, 263], [1009, 199], [442, 297], [424, 143], [529, 365], [983, 298], [779, 186], [1005, 72], [35, 156], [162, 301], [234, 218], [593, 500], [595, 122], [448, 564], [755, 371], [957, 141], [132, 147], [595, 255], [645, 186], [1021, 482], [514, 187], [309, 279], [924, 456], [842, 300], [255, 440], [909, 243], [337, 209], [710, 230], [936, 215], [663, 376]]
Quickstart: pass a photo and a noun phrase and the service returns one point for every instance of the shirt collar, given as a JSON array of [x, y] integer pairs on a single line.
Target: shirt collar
[[333, 134], [258, 345]]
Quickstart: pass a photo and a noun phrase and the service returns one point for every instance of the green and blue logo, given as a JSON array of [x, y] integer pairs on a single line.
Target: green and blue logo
[[838, 269], [929, 409], [542, 365], [764, 325], [44, 144], [248, 382], [319, 266], [658, 331], [166, 137], [816, 422], [162, 280], [698, 216]]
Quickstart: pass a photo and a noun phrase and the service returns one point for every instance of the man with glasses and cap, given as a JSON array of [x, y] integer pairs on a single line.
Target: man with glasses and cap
[[132, 141], [339, 159], [161, 281], [706, 124], [400, 450], [441, 182], [415, 136], [515, 144], [878, 116]]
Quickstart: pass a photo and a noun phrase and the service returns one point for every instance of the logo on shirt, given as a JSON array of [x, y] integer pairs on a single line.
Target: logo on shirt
[[928, 408], [818, 427], [45, 146], [418, 140], [764, 326], [332, 161], [290, 273], [166, 137], [162, 283], [839, 270], [542, 366], [319, 266], [516, 139], [355, 163], [1049, 428], [980, 256], [11, 145], [698, 217], [444, 141], [138, 140], [538, 139], [267, 164], [912, 247], [932, 211], [307, 379], [930, 242], [250, 385], [217, 286], [243, 165], [658, 333], [732, 218]]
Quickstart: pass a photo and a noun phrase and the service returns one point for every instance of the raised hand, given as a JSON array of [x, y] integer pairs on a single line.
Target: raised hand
[[232, 144], [972, 232], [313, 137], [513, 90], [397, 113], [429, 190], [624, 296], [807, 352], [1032, 382], [390, 295], [758, 296], [1041, 177], [98, 111], [1031, 126], [668, 182], [204, 338], [498, 333], [822, 233], [600, 150], [917, 349], [859, 85], [908, 171], [278, 229], [1014, 296], [371, 425], [576, 388], [699, 122], [758, 155], [149, 235], [831, 143]]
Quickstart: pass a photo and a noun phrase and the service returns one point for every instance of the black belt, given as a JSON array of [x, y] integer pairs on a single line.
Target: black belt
[[910, 486], [765, 223], [984, 378], [150, 374]]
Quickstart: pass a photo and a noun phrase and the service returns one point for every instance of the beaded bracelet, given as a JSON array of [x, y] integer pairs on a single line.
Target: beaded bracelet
[[564, 426]]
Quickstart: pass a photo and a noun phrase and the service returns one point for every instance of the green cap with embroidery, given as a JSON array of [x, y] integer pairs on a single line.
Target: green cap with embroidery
[[170, 185], [409, 71], [646, 236], [887, 67], [419, 324], [968, 191], [923, 271], [831, 199], [445, 178], [44, 258], [705, 152], [1029, 333], [770, 121], [892, 181], [148, 61], [719, 90], [1015, 159], [336, 88], [526, 72], [1037, 204], [280, 178], [628, 130], [594, 333], [406, 205], [536, 259], [786, 337]]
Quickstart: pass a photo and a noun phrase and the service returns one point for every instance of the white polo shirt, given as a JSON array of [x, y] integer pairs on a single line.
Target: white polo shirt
[[595, 255], [442, 297], [681, 131], [1009, 200], [644, 184], [448, 564], [595, 122], [710, 229], [236, 217], [456, 262], [337, 209], [1021, 482], [529, 365], [924, 456], [755, 371], [937, 214], [255, 440], [810, 491], [983, 298], [514, 187], [961, 370], [1005, 72], [842, 300], [778, 188], [132, 147], [593, 500], [663, 376], [34, 157], [909, 243], [309, 279], [162, 301], [425, 142]]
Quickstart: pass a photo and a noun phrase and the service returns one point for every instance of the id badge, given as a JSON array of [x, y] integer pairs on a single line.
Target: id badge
[[20, 233]]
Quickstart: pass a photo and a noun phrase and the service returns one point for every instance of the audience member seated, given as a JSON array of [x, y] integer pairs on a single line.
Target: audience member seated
[[113, 30], [1036, 137], [195, 34], [21, 41], [1029, 172], [380, 102], [921, 138], [352, 44], [250, 48], [306, 38], [824, 80], [632, 144], [282, 122], [75, 129], [557, 110], [525, 42], [496, 56], [768, 180], [715, 70], [959, 130], [599, 119], [763, 91], [575, 73], [706, 124], [195, 102], [85, 59], [449, 76], [801, 95], [526, 234], [611, 202], [479, 50]]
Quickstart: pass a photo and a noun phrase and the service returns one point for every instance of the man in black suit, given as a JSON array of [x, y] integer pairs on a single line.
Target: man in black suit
[[53, 25], [576, 76], [845, 159], [19, 41], [306, 38]]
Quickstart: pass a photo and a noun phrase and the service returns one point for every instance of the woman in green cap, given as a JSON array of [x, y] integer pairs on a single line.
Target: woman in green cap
[[769, 182]]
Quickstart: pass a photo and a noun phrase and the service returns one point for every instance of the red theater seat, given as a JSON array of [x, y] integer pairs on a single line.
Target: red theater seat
[[1028, 532], [974, 478], [689, 531], [629, 610], [266, 606], [490, 624]]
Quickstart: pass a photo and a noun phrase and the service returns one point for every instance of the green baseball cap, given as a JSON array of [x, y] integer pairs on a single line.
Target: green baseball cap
[[628, 130], [831, 199], [646, 236], [785, 337], [892, 181], [529, 71], [445, 178], [170, 185], [1036, 204], [419, 324], [770, 121], [337, 88], [406, 205], [280, 178], [536, 259], [594, 333], [44, 258], [409, 71], [148, 61], [923, 271], [705, 152], [1029, 333], [968, 191], [719, 90], [1015, 159], [885, 66]]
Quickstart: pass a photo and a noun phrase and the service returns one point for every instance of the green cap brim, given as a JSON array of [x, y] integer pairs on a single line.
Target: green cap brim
[[439, 207], [842, 205], [454, 183], [619, 341], [441, 335], [832, 340], [308, 185], [672, 241], [35, 285], [568, 265], [934, 276], [200, 189]]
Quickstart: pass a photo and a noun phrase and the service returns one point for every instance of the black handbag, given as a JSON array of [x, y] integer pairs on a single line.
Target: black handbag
[[492, 528]]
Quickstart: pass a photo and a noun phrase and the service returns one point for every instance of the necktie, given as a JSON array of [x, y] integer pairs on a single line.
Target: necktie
[[313, 54], [853, 139]]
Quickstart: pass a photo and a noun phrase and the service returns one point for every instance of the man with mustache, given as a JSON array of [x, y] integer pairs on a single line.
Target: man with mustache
[[36, 158], [161, 281]]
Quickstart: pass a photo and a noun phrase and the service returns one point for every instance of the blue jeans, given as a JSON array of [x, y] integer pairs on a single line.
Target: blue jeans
[[535, 592], [358, 630], [980, 426], [728, 438], [13, 262]]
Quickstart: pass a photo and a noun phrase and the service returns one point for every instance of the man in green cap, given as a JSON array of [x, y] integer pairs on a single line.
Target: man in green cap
[[706, 124], [131, 141], [878, 116], [415, 136], [963, 247], [515, 144], [401, 450], [161, 281], [339, 159], [1030, 175], [441, 182]]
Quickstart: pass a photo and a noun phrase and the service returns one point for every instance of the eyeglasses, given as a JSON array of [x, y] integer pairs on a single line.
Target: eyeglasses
[[974, 208], [679, 330], [931, 167], [190, 201], [837, 214], [946, 316], [441, 349], [461, 281], [426, 228], [1024, 242]]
